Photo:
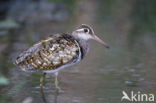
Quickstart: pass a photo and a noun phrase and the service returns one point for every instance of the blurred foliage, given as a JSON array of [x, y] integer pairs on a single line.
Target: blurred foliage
[[16, 88], [4, 100], [144, 21], [3, 81], [7, 24], [144, 16], [5, 97], [68, 3], [106, 8]]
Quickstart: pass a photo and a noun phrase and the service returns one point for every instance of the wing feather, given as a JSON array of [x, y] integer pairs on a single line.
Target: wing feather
[[50, 54]]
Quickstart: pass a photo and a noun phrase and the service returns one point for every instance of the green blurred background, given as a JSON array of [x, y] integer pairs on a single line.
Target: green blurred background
[[128, 26]]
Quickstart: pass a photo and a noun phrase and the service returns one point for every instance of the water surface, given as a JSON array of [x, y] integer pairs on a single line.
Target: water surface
[[129, 65]]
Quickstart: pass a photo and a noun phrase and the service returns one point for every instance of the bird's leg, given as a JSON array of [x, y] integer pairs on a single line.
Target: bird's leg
[[42, 79], [41, 89], [56, 81]]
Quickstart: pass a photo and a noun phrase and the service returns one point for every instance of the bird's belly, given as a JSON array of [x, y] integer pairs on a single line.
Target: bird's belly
[[59, 68]]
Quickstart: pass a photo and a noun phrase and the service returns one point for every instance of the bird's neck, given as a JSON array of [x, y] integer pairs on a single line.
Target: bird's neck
[[83, 45]]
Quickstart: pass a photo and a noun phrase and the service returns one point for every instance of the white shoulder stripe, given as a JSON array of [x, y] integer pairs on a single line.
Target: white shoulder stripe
[[80, 55]]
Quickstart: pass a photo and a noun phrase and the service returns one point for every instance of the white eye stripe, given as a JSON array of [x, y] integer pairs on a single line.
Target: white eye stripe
[[80, 30], [85, 30]]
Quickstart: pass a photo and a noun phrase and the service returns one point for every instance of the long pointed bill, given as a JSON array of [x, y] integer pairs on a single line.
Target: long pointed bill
[[100, 41]]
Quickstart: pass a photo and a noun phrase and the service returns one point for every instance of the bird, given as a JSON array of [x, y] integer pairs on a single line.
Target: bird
[[57, 52]]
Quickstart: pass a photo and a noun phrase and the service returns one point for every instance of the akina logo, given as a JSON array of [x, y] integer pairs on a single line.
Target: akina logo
[[137, 97]]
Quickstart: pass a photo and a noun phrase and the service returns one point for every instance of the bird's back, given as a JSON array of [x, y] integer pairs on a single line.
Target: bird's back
[[50, 54]]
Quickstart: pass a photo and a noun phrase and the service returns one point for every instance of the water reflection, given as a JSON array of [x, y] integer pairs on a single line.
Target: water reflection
[[56, 93], [43, 96]]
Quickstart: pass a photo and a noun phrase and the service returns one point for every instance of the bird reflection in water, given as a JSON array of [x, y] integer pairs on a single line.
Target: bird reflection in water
[[56, 93]]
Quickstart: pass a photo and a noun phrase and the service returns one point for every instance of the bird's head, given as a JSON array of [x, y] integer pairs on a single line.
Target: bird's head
[[85, 32]]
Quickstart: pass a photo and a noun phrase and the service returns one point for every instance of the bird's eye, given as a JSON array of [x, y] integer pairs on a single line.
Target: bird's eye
[[85, 30]]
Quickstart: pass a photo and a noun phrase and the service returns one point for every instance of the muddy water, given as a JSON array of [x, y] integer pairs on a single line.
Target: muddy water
[[129, 65]]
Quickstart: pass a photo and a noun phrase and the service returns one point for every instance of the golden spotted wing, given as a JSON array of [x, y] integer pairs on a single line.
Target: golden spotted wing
[[50, 54]]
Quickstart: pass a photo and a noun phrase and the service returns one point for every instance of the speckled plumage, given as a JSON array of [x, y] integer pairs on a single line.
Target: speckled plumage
[[50, 54], [57, 52]]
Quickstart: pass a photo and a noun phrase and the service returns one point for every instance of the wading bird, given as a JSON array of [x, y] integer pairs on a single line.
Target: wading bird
[[57, 52]]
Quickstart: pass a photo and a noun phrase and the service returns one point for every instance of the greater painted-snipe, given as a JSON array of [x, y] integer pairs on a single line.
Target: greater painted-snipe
[[57, 52]]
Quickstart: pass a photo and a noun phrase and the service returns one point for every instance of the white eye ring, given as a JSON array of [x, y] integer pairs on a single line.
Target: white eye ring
[[86, 30]]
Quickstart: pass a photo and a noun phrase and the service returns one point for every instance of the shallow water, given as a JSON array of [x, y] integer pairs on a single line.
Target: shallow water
[[129, 65]]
